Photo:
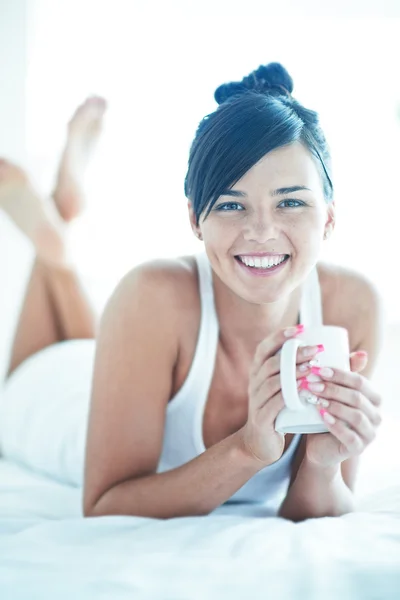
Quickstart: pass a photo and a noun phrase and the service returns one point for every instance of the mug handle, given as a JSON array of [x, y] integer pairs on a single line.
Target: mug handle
[[288, 363]]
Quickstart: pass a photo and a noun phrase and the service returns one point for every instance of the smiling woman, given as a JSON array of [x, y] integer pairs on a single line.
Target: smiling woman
[[283, 225], [186, 385]]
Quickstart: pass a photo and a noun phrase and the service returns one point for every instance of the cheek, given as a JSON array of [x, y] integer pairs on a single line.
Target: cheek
[[306, 233], [219, 232]]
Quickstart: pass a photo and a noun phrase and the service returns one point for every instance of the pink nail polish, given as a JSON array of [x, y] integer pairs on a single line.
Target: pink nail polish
[[299, 329], [303, 383], [320, 348], [326, 372], [327, 417], [315, 370]]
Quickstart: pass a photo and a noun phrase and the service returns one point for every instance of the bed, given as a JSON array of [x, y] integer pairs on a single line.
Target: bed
[[47, 550]]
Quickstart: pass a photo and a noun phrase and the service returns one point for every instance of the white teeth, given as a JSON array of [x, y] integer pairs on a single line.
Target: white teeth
[[263, 262]]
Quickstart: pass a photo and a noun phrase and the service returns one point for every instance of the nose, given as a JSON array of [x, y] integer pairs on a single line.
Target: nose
[[260, 228]]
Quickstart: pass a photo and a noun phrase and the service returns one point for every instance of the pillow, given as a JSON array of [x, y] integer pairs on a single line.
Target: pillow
[[44, 410]]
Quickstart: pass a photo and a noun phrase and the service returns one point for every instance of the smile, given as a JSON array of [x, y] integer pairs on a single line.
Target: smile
[[262, 266], [263, 262]]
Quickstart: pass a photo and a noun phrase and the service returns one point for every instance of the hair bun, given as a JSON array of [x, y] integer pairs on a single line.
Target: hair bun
[[268, 79]]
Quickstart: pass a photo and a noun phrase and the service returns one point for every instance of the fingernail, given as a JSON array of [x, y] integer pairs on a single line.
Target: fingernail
[[327, 417], [304, 367], [291, 331], [323, 403], [323, 371], [309, 351], [315, 387], [310, 398], [320, 348]]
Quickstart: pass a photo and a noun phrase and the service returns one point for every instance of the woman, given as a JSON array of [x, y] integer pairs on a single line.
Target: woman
[[186, 383], [186, 380]]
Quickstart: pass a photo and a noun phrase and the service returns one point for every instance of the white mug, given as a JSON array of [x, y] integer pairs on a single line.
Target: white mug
[[299, 416]]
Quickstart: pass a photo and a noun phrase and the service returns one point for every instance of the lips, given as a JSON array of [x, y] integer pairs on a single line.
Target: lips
[[262, 266]]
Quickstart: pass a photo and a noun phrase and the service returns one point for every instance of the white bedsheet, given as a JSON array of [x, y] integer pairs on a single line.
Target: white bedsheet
[[47, 551]]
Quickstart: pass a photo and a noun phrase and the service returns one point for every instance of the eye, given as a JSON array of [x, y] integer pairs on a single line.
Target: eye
[[291, 204], [229, 206]]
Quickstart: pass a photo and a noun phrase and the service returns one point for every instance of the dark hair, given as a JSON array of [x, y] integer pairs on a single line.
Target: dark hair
[[254, 116]]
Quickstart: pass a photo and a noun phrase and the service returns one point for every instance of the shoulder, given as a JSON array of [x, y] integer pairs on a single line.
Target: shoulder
[[157, 287], [350, 300]]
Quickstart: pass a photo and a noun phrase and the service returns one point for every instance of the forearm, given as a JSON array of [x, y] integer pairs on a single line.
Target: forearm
[[195, 488], [317, 492]]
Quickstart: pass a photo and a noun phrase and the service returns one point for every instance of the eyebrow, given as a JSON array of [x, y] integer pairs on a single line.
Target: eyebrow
[[278, 192]]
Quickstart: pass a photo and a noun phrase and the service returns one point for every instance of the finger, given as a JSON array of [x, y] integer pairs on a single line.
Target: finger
[[348, 379], [356, 419], [351, 442], [343, 395], [365, 407], [270, 345], [268, 388], [272, 407], [265, 389], [272, 366], [358, 361], [305, 357]]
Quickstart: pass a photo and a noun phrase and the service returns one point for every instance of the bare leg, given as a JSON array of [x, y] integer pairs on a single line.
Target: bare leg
[[37, 218], [55, 309], [83, 132], [55, 306]]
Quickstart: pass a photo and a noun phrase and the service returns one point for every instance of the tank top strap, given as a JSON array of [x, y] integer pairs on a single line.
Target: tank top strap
[[206, 351], [311, 301]]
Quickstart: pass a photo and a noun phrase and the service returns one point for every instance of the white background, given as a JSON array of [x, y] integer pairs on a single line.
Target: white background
[[158, 64]]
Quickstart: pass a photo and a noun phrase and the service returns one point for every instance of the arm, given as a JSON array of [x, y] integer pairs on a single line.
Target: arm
[[136, 355], [315, 490], [195, 488]]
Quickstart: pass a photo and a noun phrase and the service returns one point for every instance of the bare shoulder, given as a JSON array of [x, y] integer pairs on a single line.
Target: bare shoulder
[[350, 300], [161, 287], [166, 272]]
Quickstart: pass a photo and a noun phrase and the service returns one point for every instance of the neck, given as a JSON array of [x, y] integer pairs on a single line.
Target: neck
[[244, 325]]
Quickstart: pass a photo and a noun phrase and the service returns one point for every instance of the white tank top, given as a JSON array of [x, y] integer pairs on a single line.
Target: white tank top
[[183, 434]]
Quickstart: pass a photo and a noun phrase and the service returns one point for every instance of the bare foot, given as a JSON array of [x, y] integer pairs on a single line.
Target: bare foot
[[83, 132], [35, 217]]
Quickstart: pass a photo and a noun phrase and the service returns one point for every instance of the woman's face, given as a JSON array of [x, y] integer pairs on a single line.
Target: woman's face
[[264, 235]]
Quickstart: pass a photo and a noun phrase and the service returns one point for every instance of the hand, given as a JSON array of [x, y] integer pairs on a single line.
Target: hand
[[350, 408], [265, 396]]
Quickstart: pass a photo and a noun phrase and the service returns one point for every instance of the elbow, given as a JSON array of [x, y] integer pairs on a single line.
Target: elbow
[[90, 509], [92, 506]]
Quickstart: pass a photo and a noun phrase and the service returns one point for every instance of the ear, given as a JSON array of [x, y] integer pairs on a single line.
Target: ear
[[330, 221], [192, 217]]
